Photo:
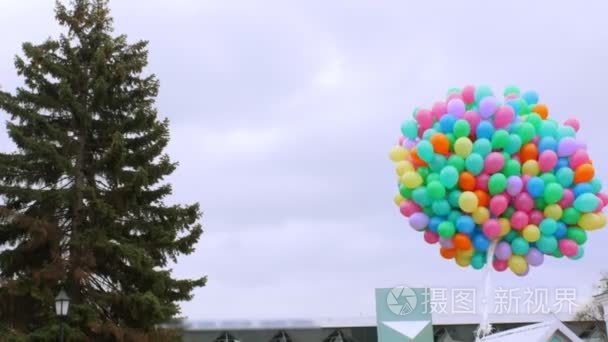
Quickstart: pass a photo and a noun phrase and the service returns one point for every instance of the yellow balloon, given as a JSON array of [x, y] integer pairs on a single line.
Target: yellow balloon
[[468, 202], [554, 211], [592, 221], [462, 260], [481, 215], [465, 253], [398, 153], [463, 147], [518, 264], [411, 180], [531, 233], [398, 199], [403, 167], [505, 226], [530, 168]]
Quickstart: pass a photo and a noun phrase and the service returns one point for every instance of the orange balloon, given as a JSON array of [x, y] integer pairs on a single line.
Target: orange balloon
[[462, 242], [482, 197], [584, 173], [416, 159], [467, 181], [441, 143], [528, 152], [447, 253], [542, 110]]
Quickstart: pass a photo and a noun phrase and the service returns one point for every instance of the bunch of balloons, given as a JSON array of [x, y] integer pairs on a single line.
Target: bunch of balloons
[[475, 171]]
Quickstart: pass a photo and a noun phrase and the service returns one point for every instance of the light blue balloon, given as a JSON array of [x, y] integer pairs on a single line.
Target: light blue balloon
[[530, 96], [485, 130], [586, 203], [425, 150], [547, 143], [579, 255], [562, 230], [465, 224], [514, 144], [428, 133], [448, 176], [582, 188], [482, 146], [596, 184], [438, 163], [547, 244], [409, 129], [447, 123], [547, 129], [421, 196], [565, 131], [481, 243], [536, 187], [565, 176], [474, 163], [434, 223]]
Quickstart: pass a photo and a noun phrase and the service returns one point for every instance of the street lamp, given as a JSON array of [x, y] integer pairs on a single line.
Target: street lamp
[[62, 305]]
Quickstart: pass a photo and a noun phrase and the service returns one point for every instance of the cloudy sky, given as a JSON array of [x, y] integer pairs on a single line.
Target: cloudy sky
[[282, 114]]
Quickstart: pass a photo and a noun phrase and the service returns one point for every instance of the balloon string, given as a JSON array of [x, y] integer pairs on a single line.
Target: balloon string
[[485, 328]]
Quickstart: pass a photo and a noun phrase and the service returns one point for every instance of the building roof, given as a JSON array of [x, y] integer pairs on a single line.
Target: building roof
[[540, 332]]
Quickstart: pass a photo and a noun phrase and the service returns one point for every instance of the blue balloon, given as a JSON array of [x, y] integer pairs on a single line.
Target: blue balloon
[[582, 188], [547, 143], [434, 223], [562, 230], [485, 129], [447, 123], [530, 96], [562, 163], [465, 224], [514, 105], [536, 187], [481, 243]]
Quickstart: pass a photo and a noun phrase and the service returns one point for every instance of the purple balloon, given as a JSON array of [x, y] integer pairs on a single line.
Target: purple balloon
[[514, 185], [409, 144], [567, 146], [446, 243], [582, 145], [487, 106], [503, 251], [419, 221], [456, 107], [535, 257]]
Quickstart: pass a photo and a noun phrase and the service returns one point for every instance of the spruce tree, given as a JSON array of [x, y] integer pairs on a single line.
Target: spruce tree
[[84, 193]]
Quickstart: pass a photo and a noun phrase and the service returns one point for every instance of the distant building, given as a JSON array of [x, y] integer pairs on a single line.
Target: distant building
[[364, 330]]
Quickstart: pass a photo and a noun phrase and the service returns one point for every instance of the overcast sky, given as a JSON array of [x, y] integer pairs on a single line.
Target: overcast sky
[[282, 114]]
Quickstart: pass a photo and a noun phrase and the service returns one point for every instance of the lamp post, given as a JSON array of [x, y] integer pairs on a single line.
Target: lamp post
[[62, 304]]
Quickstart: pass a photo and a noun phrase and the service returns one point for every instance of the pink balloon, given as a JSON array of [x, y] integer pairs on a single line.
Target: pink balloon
[[438, 110], [401, 140], [446, 243], [468, 94], [482, 182], [430, 237], [524, 202], [547, 160], [472, 118], [494, 163], [424, 118], [568, 247], [498, 204], [500, 265], [519, 220], [409, 207], [568, 199], [572, 122], [503, 117], [536, 217], [511, 97], [604, 198], [579, 158], [535, 140], [491, 229]]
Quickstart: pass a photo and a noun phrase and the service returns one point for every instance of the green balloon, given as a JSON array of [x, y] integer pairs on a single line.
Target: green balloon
[[511, 90], [511, 236], [405, 192], [554, 193], [535, 120], [500, 139], [449, 176], [425, 150], [547, 244], [453, 90], [423, 172], [577, 234], [436, 190], [565, 176], [461, 128], [526, 132], [433, 176], [512, 168], [558, 254], [441, 207], [454, 197], [514, 144], [571, 216], [540, 203], [520, 246], [421, 196], [457, 162], [454, 216], [428, 211], [446, 229], [497, 183], [474, 163], [548, 178], [478, 260], [482, 146], [481, 92], [509, 212]]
